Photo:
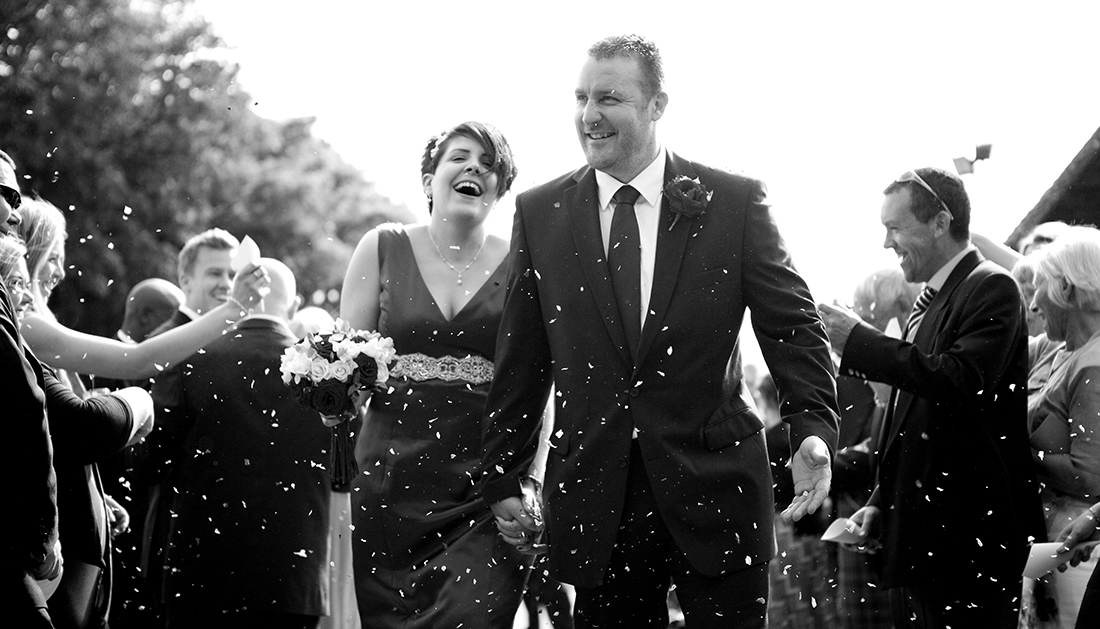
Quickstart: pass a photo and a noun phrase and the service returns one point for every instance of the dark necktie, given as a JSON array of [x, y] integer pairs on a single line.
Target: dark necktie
[[624, 257], [927, 294]]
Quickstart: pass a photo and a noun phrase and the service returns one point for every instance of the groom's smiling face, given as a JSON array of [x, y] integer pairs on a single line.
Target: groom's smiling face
[[616, 119]]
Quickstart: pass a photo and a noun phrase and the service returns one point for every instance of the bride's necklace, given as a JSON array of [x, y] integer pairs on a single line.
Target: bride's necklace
[[448, 262]]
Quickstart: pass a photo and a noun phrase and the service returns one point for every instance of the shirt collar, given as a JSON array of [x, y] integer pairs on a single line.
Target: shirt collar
[[940, 278], [648, 183], [259, 317]]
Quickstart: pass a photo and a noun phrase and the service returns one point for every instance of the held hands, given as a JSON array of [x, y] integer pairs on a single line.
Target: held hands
[[250, 286], [812, 471], [839, 321], [1082, 529], [519, 521], [870, 529]]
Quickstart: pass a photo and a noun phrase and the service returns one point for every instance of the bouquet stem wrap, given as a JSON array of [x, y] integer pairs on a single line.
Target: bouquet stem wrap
[[342, 465]]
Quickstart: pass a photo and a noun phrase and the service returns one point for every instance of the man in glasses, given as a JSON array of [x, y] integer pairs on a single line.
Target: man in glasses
[[956, 498], [31, 551]]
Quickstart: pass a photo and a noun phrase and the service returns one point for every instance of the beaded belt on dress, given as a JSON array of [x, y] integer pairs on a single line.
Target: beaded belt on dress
[[419, 367]]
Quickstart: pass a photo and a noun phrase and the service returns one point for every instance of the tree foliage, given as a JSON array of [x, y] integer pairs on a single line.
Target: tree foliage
[[123, 114]]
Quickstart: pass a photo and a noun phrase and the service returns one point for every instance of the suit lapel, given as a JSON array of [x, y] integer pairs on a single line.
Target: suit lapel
[[929, 329], [669, 255], [582, 203]]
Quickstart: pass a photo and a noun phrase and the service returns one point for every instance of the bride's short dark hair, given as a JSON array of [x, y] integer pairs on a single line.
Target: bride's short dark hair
[[492, 142]]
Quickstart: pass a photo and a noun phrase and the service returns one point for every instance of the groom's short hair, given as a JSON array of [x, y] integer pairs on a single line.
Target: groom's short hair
[[637, 47]]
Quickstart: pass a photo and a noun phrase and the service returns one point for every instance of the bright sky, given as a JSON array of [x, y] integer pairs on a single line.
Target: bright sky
[[826, 101]]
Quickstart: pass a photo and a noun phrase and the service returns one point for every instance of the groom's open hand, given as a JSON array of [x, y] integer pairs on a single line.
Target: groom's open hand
[[812, 470]]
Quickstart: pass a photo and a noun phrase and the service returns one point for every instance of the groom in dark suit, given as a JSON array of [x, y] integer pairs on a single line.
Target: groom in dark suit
[[629, 281], [956, 498]]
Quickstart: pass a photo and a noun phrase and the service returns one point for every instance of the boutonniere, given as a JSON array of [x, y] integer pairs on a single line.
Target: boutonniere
[[686, 197]]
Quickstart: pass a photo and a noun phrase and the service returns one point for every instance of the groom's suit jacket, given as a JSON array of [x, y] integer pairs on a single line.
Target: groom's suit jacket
[[955, 481], [699, 434]]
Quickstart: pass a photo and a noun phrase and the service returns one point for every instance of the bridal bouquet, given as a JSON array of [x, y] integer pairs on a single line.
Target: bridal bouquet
[[335, 372]]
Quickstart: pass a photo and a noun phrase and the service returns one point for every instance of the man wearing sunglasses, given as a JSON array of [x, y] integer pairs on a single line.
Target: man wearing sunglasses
[[30, 550], [956, 498]]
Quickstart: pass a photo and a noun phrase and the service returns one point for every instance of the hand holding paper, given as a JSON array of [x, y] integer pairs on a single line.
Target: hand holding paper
[[842, 531], [248, 253], [1048, 556], [250, 284]]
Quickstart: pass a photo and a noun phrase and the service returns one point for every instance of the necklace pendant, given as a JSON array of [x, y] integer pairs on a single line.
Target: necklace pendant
[[460, 281]]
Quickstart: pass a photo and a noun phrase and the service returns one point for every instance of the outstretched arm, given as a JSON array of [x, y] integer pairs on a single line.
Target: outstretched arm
[[64, 348]]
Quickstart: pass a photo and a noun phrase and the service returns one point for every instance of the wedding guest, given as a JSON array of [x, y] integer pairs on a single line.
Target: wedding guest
[[149, 304], [204, 270], [13, 271], [630, 278], [884, 300], [248, 540], [426, 551], [1042, 235], [205, 273], [31, 549], [82, 431], [1065, 417], [953, 452]]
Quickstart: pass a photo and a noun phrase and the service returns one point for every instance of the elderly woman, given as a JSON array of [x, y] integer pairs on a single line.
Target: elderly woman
[[1065, 415]]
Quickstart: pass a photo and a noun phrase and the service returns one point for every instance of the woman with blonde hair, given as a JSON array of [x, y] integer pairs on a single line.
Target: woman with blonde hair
[[1064, 417]]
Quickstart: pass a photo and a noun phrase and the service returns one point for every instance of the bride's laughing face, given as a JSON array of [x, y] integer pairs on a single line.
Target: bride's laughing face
[[464, 180]]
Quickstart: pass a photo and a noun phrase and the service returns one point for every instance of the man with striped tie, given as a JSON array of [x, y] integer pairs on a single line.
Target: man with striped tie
[[956, 498]]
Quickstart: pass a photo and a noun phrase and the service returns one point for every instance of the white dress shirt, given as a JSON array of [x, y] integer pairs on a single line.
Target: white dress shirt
[[939, 279], [649, 183]]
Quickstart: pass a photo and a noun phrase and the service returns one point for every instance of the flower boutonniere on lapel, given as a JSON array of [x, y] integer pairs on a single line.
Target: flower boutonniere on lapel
[[686, 197]]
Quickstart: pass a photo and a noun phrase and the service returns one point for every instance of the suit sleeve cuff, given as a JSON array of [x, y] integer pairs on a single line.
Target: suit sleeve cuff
[[501, 487]]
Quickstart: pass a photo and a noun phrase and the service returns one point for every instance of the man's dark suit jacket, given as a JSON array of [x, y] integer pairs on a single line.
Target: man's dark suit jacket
[[702, 442], [955, 480], [31, 482], [179, 318], [246, 472]]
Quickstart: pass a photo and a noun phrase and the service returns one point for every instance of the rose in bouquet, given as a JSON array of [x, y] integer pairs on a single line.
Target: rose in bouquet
[[334, 372]]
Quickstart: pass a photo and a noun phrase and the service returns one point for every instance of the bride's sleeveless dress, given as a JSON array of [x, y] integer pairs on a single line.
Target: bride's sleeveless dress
[[426, 549]]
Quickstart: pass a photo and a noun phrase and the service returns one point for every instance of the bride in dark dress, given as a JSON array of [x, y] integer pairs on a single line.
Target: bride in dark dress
[[425, 548]]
